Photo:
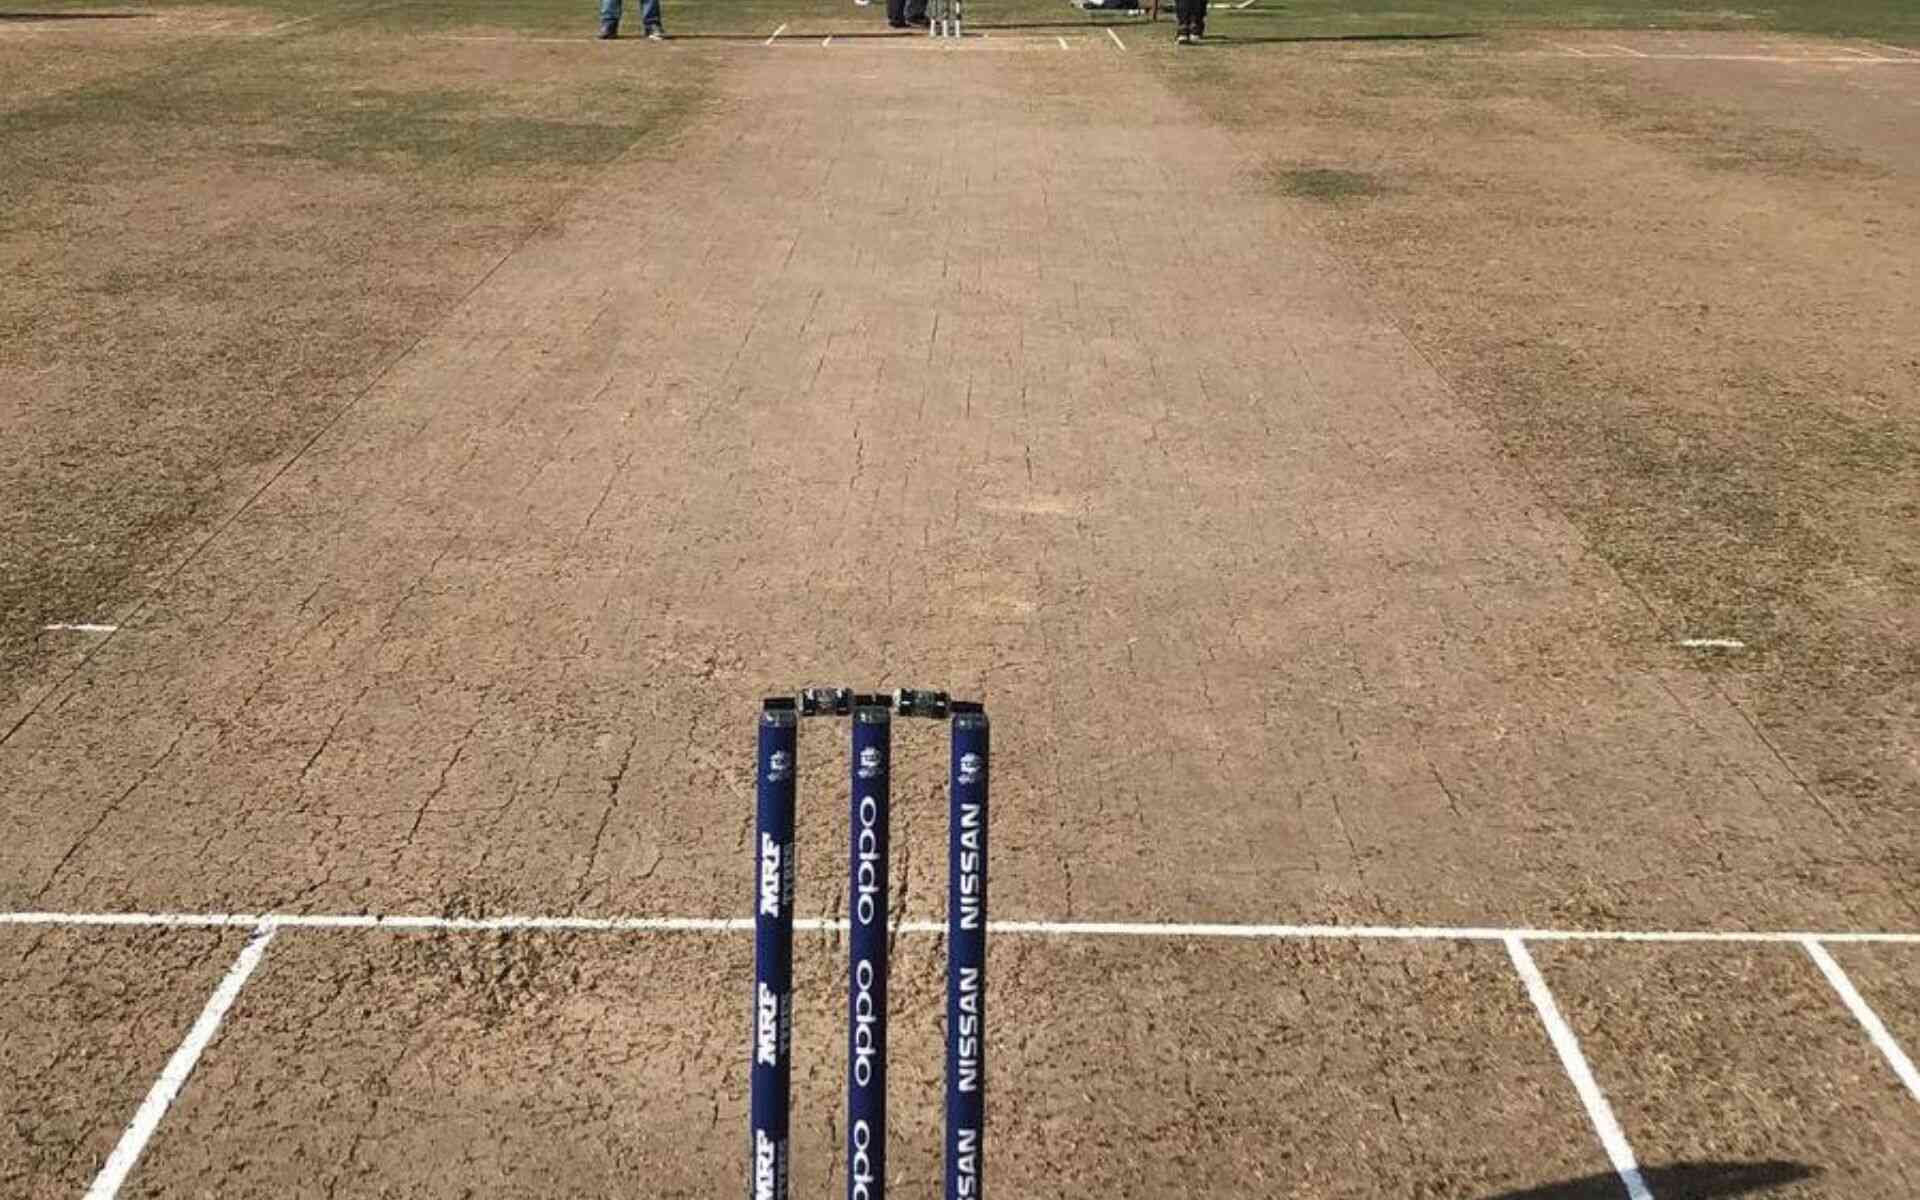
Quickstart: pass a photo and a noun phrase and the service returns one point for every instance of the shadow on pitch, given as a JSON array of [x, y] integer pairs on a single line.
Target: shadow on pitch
[[799, 39], [1308, 39], [1682, 1181], [1123, 22]]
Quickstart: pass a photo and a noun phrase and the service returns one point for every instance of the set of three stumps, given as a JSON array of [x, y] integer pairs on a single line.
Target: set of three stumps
[[771, 1076]]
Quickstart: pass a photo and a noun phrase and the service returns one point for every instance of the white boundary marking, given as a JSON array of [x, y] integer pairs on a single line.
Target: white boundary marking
[[1118, 929], [1713, 643], [165, 1089], [297, 21], [1116, 38], [78, 627], [1575, 1064], [1863, 1013], [1062, 40], [776, 33]]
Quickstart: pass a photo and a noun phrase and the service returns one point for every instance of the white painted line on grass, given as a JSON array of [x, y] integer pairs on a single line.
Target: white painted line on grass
[[777, 33], [1575, 1064], [79, 627], [827, 41], [1627, 50], [1244, 4], [273, 29], [369, 10], [1863, 1013], [1117, 929], [1577, 53], [1713, 643], [1116, 39], [1062, 41], [107, 1183]]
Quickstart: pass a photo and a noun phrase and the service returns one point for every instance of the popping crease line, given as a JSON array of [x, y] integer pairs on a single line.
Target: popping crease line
[[1868, 1020], [1014, 928]]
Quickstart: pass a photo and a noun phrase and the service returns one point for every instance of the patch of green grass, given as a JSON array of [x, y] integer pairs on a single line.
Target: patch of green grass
[[454, 130], [1329, 184], [283, 104], [278, 7], [1895, 21], [1890, 20]]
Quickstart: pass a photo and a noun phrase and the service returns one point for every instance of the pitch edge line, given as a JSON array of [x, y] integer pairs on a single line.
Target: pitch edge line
[[1144, 929], [1567, 1045], [1863, 1013], [139, 1131]]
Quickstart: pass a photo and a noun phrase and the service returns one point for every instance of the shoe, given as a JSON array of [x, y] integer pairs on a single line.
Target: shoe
[[1196, 35], [1183, 38], [609, 30], [898, 25], [656, 34]]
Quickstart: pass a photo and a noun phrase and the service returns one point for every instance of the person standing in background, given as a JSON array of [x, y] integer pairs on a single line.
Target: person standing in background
[[649, 20], [1192, 15], [905, 14]]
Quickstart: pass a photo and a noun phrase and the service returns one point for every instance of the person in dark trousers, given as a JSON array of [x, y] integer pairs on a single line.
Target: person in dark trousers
[[1192, 15], [649, 19], [905, 14]]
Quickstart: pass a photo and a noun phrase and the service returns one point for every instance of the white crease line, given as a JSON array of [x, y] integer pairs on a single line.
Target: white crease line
[[776, 33], [1627, 50], [827, 41], [1713, 643], [1062, 41], [1146, 929], [107, 1183], [273, 29], [1901, 51], [369, 10], [1863, 1013], [1116, 39], [79, 627], [1575, 1064], [1577, 53], [1244, 4]]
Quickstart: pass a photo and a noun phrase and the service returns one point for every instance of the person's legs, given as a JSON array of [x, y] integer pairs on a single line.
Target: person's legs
[[650, 15], [609, 18], [1199, 25]]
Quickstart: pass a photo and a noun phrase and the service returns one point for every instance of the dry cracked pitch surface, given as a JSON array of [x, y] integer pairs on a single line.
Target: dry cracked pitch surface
[[1269, 625], [1245, 589]]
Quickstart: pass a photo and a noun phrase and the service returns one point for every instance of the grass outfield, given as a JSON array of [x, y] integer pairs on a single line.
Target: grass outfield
[[1890, 20]]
